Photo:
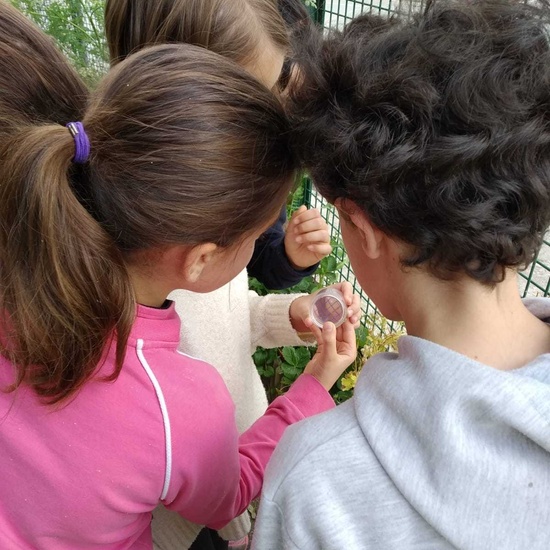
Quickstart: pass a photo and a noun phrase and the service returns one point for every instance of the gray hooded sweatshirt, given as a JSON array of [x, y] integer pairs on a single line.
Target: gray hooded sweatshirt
[[434, 451]]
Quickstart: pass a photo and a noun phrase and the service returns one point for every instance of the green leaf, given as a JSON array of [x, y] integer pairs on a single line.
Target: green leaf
[[291, 372], [290, 355], [362, 335], [260, 357], [257, 287], [330, 263], [268, 372], [341, 396], [303, 356]]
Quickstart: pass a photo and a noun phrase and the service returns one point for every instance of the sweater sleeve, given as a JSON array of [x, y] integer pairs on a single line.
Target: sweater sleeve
[[214, 473], [237, 528], [269, 529], [270, 264], [270, 325]]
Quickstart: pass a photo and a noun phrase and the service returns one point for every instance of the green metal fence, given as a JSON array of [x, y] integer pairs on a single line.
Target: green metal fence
[[334, 14]]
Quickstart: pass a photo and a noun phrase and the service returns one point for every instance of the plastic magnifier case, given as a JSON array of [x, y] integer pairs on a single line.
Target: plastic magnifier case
[[328, 306]]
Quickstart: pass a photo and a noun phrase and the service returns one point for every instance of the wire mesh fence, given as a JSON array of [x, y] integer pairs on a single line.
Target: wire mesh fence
[[334, 14]]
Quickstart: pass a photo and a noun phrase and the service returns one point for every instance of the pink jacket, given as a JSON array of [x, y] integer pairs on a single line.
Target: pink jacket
[[88, 473]]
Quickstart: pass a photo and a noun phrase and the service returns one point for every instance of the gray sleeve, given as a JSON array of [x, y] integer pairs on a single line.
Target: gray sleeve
[[269, 530]]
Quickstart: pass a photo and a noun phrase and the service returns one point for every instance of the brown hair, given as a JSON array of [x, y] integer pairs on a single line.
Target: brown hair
[[40, 94], [186, 149], [232, 28]]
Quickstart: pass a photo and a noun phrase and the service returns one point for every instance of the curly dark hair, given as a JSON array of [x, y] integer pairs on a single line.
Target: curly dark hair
[[438, 127]]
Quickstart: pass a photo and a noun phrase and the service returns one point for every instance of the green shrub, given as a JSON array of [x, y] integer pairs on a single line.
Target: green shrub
[[77, 27]]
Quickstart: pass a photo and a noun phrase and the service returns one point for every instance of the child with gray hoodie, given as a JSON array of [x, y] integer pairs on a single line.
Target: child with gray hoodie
[[431, 135]]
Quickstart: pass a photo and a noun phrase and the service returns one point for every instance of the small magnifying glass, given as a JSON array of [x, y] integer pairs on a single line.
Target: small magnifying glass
[[328, 306]]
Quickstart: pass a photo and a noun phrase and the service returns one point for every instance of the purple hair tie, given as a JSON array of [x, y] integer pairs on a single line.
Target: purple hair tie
[[81, 142]]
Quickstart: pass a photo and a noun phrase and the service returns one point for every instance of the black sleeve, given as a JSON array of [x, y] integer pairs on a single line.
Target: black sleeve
[[269, 263]]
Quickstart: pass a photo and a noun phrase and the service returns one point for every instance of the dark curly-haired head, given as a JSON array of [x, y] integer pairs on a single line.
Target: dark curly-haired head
[[438, 128]]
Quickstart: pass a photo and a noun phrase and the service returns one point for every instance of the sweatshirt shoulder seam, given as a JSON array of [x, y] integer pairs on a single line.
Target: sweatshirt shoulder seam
[[306, 452]]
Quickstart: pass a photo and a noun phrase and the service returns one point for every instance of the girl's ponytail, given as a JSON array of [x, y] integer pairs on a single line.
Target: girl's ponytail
[[64, 289], [186, 148]]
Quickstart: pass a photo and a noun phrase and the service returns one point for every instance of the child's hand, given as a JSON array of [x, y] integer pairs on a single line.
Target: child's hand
[[336, 350], [307, 238], [299, 308]]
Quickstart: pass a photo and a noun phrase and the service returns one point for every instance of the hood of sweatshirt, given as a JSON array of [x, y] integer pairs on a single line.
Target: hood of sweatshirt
[[467, 445]]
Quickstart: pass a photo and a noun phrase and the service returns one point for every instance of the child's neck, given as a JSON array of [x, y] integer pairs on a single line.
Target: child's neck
[[149, 291], [491, 326]]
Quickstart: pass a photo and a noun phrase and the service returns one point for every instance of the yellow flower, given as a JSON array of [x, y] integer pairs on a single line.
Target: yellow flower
[[348, 381]]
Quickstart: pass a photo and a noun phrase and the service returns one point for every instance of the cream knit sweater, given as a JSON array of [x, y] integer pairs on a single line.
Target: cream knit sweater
[[224, 328]]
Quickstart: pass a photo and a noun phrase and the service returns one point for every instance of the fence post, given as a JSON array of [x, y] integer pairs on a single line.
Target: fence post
[[317, 11], [306, 199], [320, 12]]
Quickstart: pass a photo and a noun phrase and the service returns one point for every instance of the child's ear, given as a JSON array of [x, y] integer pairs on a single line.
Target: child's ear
[[371, 236], [195, 259]]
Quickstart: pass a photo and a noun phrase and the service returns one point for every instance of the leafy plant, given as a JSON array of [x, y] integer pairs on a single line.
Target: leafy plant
[[77, 27], [279, 367], [377, 335]]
